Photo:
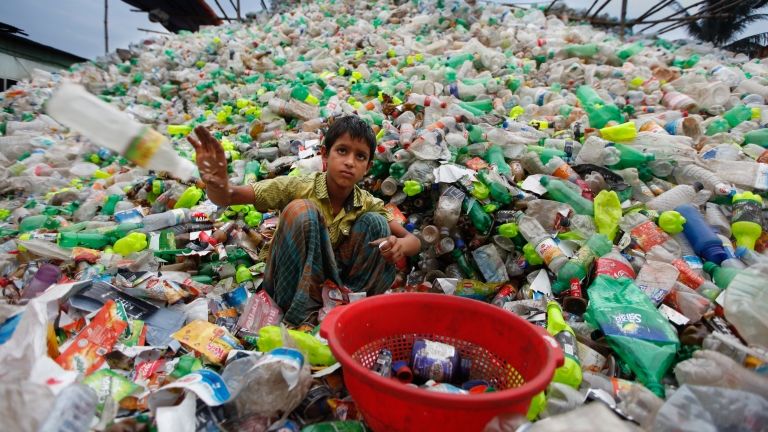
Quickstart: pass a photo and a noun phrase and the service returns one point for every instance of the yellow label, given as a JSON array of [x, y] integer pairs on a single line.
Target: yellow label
[[144, 146]]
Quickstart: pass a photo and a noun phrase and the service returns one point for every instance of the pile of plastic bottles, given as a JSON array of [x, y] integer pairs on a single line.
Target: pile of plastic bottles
[[611, 192]]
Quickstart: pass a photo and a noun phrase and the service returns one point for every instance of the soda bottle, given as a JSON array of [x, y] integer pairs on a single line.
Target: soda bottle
[[45, 276], [108, 127], [598, 111], [722, 276], [747, 219], [647, 234]]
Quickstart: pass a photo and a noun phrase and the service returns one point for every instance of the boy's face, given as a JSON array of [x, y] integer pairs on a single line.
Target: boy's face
[[347, 161]]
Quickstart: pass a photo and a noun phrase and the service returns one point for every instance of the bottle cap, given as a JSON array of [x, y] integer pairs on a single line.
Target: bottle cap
[[697, 186]]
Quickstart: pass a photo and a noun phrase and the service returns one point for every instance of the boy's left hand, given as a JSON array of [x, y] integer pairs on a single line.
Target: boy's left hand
[[391, 248]]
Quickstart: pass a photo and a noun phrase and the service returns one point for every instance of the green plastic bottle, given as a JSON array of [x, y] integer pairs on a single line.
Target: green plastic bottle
[[719, 125], [629, 50], [747, 219], [578, 267], [252, 171], [737, 115], [483, 106], [630, 157], [570, 372], [547, 153], [108, 208], [582, 50], [722, 276], [607, 213], [498, 191], [92, 240], [302, 93], [464, 266], [757, 136], [336, 426], [598, 111], [189, 198], [558, 191], [636, 331], [36, 222], [480, 219], [495, 156], [398, 169]]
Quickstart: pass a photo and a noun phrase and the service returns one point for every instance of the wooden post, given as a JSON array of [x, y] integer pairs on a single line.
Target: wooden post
[[623, 26], [106, 27]]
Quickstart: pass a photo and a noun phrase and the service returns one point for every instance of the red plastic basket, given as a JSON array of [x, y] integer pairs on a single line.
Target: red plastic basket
[[518, 359]]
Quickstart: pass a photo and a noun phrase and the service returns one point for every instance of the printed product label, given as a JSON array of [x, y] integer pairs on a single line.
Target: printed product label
[[695, 262], [548, 250], [747, 211], [648, 235], [613, 268], [687, 276], [144, 146]]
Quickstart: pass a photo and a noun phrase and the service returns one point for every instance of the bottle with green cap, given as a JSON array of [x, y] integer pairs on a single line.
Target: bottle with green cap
[[747, 219], [722, 276], [570, 372], [498, 191], [92, 240], [631, 157], [302, 93], [32, 223], [189, 198], [495, 156], [598, 111], [671, 222], [738, 115], [559, 191], [480, 219], [508, 230], [412, 187]]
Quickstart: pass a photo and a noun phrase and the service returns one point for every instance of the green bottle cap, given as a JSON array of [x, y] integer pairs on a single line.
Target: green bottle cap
[[671, 222]]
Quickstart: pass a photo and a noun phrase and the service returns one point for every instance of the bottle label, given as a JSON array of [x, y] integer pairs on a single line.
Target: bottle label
[[647, 235], [687, 276], [548, 250], [179, 215], [614, 268], [747, 211], [144, 146]]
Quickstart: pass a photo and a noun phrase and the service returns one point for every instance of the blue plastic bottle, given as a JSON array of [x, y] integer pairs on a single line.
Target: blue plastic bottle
[[702, 237]]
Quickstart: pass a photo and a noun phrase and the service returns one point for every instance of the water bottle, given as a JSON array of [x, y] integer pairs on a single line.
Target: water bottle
[[159, 221], [693, 173], [449, 208], [656, 279], [647, 234], [715, 218], [702, 237], [680, 194], [542, 242], [108, 127]]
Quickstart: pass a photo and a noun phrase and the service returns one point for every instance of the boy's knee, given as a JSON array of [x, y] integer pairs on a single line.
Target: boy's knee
[[299, 210], [374, 224]]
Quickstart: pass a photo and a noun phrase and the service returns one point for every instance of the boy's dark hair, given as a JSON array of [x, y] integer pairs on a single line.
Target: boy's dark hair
[[357, 129]]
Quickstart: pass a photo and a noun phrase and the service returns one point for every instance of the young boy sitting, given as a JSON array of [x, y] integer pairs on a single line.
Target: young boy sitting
[[329, 227]]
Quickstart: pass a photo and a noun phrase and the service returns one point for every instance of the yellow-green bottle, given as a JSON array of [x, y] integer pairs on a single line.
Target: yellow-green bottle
[[570, 372], [747, 219]]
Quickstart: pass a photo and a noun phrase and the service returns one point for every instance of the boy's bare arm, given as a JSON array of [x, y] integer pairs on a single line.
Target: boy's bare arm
[[212, 163], [400, 244]]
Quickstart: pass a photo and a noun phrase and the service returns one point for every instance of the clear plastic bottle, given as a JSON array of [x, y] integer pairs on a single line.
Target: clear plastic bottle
[[449, 208], [647, 234], [680, 194], [158, 221], [712, 182], [108, 127], [544, 244]]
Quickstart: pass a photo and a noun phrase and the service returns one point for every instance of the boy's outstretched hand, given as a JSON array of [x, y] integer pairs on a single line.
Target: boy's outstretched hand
[[211, 160], [391, 248]]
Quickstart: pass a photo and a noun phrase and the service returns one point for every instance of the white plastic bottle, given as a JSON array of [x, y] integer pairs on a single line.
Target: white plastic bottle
[[108, 127]]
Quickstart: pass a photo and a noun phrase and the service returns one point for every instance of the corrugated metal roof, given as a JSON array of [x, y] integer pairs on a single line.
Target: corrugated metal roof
[[177, 15]]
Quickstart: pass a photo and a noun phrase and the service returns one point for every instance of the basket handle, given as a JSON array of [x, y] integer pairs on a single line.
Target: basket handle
[[552, 345], [329, 322]]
